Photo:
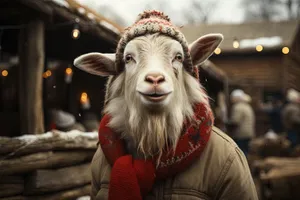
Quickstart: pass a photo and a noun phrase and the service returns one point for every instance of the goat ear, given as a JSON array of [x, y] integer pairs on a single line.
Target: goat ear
[[97, 63], [203, 47]]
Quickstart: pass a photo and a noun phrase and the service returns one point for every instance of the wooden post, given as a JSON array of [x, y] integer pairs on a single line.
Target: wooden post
[[31, 54]]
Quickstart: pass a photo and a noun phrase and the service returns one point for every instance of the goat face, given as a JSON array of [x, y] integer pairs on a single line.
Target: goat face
[[153, 71]]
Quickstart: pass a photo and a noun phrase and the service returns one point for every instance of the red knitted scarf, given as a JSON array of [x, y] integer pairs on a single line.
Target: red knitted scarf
[[133, 178]]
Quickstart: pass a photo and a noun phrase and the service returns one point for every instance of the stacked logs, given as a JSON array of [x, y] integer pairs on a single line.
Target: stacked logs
[[54, 165], [275, 168], [263, 147], [279, 178]]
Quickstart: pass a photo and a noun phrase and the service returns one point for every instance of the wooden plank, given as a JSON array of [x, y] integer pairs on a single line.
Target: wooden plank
[[45, 142], [31, 54], [11, 185], [71, 194], [8, 144], [14, 198], [43, 160], [278, 163], [38, 6], [280, 177], [11, 179], [44, 181], [7, 190], [283, 183]]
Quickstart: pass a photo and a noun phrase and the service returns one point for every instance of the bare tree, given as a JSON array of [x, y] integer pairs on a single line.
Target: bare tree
[[199, 11], [110, 13], [271, 9]]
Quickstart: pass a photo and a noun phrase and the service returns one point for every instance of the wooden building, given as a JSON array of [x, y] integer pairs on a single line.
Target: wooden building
[[214, 80], [39, 41], [261, 58]]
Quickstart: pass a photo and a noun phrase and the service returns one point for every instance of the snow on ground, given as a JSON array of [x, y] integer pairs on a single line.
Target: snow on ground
[[55, 133], [84, 198], [61, 3]]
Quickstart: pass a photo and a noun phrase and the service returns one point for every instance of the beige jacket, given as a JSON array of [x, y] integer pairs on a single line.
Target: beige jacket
[[243, 116], [221, 172]]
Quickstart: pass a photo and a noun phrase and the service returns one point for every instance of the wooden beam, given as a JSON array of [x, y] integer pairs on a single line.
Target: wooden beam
[[296, 58], [51, 10], [58, 141], [86, 25], [38, 182], [44, 160], [73, 193], [31, 54], [98, 16], [38, 6], [11, 186]]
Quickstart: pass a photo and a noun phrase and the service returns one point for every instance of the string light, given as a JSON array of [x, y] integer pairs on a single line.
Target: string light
[[285, 50], [69, 74], [217, 51], [75, 32], [4, 73], [69, 71], [236, 44], [259, 48], [84, 97], [47, 73]]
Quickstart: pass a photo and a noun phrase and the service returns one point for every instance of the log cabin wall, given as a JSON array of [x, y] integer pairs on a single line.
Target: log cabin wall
[[292, 63]]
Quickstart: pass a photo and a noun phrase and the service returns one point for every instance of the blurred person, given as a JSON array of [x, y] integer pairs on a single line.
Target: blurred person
[[242, 119], [88, 118], [291, 117], [65, 121], [274, 109], [221, 112], [90, 121]]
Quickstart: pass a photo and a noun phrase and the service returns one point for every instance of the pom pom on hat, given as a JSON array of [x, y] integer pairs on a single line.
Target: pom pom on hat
[[152, 13]]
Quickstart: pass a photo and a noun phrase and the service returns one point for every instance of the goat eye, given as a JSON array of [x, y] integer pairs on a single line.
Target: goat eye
[[128, 58], [179, 57]]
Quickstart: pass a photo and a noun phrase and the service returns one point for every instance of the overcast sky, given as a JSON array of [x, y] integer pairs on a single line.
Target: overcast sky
[[225, 11]]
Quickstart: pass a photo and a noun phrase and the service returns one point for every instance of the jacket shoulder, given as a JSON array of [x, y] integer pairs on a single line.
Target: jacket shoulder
[[234, 179]]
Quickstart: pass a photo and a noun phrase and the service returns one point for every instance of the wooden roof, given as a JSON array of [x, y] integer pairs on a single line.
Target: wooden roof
[[286, 30], [97, 34], [69, 10]]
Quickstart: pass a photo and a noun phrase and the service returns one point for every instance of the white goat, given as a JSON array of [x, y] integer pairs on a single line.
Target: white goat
[[149, 100]]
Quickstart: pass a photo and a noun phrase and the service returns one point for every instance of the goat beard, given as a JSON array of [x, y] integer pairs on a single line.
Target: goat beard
[[152, 132], [148, 133]]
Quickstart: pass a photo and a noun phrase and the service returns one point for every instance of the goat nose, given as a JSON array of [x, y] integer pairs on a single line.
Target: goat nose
[[155, 78]]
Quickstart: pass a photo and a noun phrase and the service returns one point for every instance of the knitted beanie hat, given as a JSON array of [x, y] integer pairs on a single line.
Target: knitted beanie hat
[[150, 22]]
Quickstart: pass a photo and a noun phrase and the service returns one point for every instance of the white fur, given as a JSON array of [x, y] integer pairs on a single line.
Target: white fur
[[149, 127]]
